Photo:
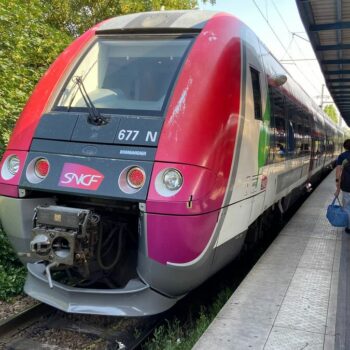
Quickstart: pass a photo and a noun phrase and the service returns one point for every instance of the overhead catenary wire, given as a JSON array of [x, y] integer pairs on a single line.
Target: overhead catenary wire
[[299, 59], [297, 35], [280, 41], [273, 31], [288, 47], [300, 50], [292, 33], [293, 36]]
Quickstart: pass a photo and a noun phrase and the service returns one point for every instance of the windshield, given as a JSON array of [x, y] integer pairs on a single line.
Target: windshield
[[126, 74]]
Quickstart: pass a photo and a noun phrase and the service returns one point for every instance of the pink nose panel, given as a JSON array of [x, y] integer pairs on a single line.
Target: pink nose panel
[[179, 239]]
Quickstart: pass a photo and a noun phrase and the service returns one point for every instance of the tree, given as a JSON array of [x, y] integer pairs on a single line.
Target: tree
[[27, 46], [75, 17], [346, 131], [331, 113]]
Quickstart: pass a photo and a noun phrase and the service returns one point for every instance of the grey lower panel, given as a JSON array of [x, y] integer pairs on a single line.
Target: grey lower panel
[[287, 179], [135, 299], [226, 252], [180, 279], [16, 216]]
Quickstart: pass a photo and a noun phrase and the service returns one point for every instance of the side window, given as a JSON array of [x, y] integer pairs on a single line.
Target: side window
[[294, 133], [256, 93], [299, 139], [291, 139], [306, 145], [278, 141]]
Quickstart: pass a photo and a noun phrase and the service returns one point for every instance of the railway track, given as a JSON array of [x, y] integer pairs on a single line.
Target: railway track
[[43, 327], [22, 319]]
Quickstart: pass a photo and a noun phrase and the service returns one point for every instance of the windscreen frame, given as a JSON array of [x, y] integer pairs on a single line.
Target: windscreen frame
[[127, 37]]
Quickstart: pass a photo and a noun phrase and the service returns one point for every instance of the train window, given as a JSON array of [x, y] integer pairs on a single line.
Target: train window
[[291, 140], [298, 139], [278, 139], [294, 129], [256, 93], [134, 75], [305, 148]]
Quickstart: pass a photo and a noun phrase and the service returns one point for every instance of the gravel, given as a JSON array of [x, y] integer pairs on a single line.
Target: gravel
[[15, 306]]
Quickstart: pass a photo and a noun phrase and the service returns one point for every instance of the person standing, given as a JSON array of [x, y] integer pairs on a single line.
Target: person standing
[[342, 178]]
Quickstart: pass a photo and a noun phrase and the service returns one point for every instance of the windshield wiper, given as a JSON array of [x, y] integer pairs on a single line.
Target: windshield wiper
[[94, 115]]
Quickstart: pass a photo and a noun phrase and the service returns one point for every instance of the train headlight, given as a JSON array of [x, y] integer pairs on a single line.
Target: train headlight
[[13, 164], [10, 167], [172, 179]]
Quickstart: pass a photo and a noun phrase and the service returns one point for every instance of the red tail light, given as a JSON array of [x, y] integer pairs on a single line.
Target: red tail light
[[42, 167], [136, 177]]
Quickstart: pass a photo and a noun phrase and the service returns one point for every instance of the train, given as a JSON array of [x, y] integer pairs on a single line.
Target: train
[[147, 155]]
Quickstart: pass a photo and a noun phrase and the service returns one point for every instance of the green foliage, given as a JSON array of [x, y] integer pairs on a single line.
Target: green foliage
[[332, 113], [12, 272], [27, 47], [128, 6], [75, 17], [175, 335], [346, 131]]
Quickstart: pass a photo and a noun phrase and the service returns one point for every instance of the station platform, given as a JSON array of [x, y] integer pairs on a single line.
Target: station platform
[[297, 295]]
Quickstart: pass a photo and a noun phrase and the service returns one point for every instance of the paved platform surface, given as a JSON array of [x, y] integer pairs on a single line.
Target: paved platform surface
[[297, 295]]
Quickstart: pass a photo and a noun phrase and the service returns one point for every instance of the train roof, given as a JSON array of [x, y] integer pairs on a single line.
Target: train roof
[[186, 19], [194, 21]]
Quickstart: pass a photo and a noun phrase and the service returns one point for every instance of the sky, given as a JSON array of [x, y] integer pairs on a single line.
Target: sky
[[277, 23]]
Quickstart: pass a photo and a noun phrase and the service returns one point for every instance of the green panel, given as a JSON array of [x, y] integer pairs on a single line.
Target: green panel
[[264, 136]]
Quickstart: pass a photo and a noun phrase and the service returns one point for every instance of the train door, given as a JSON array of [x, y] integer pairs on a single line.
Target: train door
[[246, 194], [261, 123]]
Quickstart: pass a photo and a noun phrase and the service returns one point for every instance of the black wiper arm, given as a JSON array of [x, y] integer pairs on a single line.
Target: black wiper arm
[[94, 116]]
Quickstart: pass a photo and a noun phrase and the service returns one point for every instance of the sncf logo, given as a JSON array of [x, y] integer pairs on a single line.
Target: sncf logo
[[80, 176]]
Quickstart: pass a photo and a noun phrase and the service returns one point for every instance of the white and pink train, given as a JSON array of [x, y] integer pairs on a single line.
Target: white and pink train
[[144, 155]]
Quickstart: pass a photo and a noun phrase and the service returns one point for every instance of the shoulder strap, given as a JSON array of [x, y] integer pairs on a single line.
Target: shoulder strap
[[346, 163]]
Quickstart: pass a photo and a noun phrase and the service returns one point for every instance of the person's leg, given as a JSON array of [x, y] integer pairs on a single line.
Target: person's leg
[[346, 206]]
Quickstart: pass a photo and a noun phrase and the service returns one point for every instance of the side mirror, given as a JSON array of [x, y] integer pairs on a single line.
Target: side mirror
[[277, 80]]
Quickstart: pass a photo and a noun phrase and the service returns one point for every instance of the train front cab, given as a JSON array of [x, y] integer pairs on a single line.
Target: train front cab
[[75, 172]]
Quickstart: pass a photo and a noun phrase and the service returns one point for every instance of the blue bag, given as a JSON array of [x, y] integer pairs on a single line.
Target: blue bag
[[336, 215]]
